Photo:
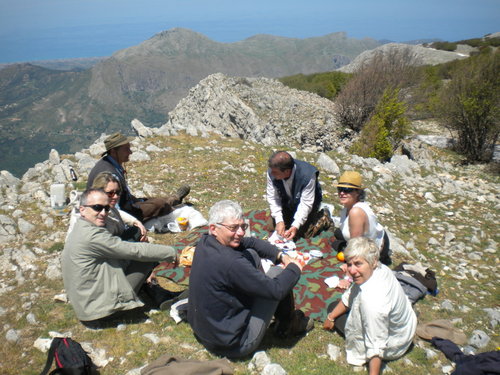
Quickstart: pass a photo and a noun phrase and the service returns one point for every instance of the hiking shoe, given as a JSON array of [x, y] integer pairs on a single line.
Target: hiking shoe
[[157, 294], [301, 324], [183, 191], [167, 304]]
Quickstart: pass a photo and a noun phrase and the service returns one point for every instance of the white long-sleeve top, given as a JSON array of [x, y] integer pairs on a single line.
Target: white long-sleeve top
[[381, 320], [306, 200]]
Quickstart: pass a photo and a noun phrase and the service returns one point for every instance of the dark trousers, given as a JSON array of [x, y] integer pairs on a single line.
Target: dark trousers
[[261, 314]]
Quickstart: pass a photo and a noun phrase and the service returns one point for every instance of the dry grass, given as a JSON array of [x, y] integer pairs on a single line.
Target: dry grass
[[214, 168]]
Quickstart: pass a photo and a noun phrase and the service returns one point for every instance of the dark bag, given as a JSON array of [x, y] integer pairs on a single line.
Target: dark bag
[[70, 358]]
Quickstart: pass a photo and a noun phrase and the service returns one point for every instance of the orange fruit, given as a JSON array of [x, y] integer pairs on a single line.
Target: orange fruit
[[340, 256]]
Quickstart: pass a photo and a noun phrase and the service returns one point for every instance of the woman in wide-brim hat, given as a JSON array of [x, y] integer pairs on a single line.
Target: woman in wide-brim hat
[[357, 219]]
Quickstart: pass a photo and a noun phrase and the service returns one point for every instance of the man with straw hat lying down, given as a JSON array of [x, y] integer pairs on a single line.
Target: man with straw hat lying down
[[117, 153]]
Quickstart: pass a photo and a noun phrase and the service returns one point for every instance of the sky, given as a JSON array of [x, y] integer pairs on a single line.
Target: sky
[[33, 30]]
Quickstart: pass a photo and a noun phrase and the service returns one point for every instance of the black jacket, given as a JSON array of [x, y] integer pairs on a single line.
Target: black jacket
[[222, 287]]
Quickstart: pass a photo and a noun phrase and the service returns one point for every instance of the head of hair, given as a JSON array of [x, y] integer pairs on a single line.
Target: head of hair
[[362, 247], [362, 195], [102, 180], [223, 210], [85, 195], [281, 160]]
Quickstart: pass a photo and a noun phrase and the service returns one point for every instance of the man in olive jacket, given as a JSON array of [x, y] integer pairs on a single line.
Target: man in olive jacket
[[102, 274]]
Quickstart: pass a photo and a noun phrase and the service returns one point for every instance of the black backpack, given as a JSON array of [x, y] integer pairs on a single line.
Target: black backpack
[[70, 358]]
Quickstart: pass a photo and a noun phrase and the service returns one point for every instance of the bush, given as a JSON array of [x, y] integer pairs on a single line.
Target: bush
[[359, 97], [444, 46], [326, 85], [385, 130], [469, 105]]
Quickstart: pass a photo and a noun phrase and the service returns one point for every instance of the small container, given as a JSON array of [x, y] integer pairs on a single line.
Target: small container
[[316, 254], [183, 223]]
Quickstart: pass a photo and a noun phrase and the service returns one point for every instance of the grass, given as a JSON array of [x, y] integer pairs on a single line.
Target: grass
[[220, 168]]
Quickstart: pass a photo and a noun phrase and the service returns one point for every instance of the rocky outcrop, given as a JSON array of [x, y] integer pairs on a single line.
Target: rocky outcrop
[[260, 110], [421, 56]]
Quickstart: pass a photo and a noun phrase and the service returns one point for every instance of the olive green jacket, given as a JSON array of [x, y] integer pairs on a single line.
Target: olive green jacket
[[93, 263]]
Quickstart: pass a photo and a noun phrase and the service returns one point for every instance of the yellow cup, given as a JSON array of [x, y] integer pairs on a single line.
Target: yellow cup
[[183, 223]]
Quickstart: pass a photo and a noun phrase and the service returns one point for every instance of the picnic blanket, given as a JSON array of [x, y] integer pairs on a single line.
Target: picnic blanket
[[311, 293]]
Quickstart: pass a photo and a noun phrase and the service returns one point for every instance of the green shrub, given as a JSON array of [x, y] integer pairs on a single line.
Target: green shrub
[[326, 85], [444, 46], [385, 130], [469, 105]]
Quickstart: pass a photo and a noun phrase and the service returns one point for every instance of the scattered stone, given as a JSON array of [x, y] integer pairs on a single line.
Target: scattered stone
[[12, 336], [429, 353], [31, 319], [327, 164], [479, 339], [140, 129], [494, 315], [447, 369], [61, 298], [259, 360], [447, 305], [334, 352], [24, 226], [152, 337], [42, 344], [273, 369]]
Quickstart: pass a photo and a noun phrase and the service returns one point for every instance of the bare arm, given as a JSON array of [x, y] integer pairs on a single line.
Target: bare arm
[[339, 310], [358, 222], [374, 365]]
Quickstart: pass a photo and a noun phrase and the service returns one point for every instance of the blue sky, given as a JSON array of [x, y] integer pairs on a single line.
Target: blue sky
[[54, 29]]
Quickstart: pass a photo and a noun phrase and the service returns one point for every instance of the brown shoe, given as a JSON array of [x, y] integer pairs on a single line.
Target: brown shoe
[[182, 192], [301, 324]]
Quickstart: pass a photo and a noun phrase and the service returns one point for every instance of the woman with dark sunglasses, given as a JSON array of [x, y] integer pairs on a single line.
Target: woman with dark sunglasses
[[118, 222], [357, 218]]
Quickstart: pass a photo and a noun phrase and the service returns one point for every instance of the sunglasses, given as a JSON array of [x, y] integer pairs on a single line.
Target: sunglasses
[[345, 190], [234, 228], [112, 193], [98, 207]]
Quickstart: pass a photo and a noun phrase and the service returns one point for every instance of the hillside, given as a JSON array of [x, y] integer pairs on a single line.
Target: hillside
[[438, 213], [42, 109]]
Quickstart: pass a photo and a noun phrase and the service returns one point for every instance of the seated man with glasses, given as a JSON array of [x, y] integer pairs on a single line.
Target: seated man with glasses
[[102, 274], [231, 299]]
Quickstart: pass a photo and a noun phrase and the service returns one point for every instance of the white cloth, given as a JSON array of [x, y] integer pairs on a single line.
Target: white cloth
[[381, 320], [375, 230], [306, 199]]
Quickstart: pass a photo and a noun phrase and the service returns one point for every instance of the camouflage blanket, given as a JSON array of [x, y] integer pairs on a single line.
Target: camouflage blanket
[[312, 295]]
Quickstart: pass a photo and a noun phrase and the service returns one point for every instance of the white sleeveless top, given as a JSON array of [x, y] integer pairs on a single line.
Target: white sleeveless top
[[375, 230]]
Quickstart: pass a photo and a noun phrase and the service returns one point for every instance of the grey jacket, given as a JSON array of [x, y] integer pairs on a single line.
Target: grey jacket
[[92, 263]]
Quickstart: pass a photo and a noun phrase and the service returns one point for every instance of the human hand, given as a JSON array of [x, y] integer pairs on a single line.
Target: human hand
[[144, 232], [344, 284], [328, 324], [290, 233], [280, 228]]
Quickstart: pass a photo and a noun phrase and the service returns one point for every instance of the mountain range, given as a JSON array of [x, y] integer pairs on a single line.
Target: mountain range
[[42, 108]]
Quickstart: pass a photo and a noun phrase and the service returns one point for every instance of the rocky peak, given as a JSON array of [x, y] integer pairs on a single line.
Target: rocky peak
[[260, 110]]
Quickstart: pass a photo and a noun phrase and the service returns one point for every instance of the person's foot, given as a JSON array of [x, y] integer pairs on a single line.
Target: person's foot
[[157, 294], [301, 324], [167, 304], [183, 191], [298, 325]]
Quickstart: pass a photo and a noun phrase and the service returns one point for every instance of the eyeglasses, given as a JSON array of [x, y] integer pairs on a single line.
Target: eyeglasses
[[234, 227], [345, 190], [98, 207], [112, 193]]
